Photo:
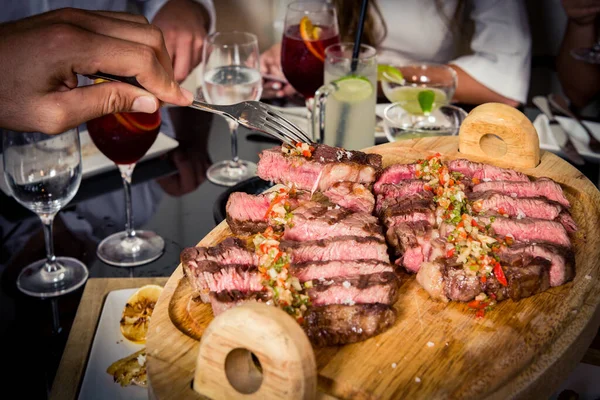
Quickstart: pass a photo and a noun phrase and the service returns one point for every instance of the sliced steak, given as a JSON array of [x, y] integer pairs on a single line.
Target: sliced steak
[[522, 281], [405, 188], [362, 289], [223, 301], [337, 248], [319, 270], [334, 325], [567, 221], [544, 187], [395, 174], [562, 261], [246, 213], [353, 196], [315, 222], [458, 285], [485, 172], [411, 243], [431, 278], [230, 251], [327, 166], [410, 209], [212, 277]]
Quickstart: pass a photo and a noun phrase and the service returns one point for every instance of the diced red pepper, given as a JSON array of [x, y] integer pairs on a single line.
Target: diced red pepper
[[493, 296], [500, 274], [478, 304], [451, 182], [480, 314], [460, 224], [427, 187], [474, 223], [450, 253], [509, 240], [306, 153], [502, 210], [476, 181], [483, 279], [300, 320]]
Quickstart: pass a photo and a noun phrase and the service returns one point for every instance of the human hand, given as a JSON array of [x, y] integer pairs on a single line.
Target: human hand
[[270, 64], [41, 56], [582, 12], [184, 24]]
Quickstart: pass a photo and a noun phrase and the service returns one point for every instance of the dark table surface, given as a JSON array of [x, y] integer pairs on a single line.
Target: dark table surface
[[170, 196]]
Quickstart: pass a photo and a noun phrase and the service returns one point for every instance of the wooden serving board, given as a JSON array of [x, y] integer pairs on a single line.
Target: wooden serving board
[[519, 350]]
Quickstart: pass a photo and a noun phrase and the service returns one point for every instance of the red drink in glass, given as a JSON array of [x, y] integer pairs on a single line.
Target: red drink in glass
[[124, 137], [302, 61]]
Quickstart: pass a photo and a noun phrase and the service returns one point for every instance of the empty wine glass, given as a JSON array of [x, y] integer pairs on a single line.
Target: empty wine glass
[[43, 173], [231, 74]]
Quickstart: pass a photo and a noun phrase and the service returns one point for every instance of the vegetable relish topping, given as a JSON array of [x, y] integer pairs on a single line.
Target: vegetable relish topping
[[273, 265], [470, 241], [279, 211], [301, 149]]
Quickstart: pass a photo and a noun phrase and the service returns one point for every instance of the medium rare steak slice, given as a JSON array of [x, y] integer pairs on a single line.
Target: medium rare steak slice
[[411, 243], [562, 261], [394, 174], [544, 187], [353, 196], [223, 301], [320, 270], [334, 325], [246, 213], [209, 276], [526, 230], [522, 281], [337, 248], [362, 289], [315, 222], [484, 172], [406, 210], [406, 188], [327, 166]]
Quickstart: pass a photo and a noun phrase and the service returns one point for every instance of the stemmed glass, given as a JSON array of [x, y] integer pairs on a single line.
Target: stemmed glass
[[125, 138], [310, 26], [43, 173], [231, 74]]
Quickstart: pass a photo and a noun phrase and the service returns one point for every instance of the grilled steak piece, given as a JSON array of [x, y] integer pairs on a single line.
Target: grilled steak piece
[[411, 243], [315, 222], [337, 248], [327, 166], [406, 210], [339, 324], [223, 301], [319, 270], [362, 289], [246, 213], [561, 260], [431, 278], [567, 221], [458, 285], [405, 188], [353, 196], [484, 172], [394, 174], [230, 251], [522, 281], [544, 187]]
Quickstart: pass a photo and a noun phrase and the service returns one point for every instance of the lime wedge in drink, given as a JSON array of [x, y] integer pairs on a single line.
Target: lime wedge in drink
[[388, 73], [426, 99], [353, 89], [409, 96]]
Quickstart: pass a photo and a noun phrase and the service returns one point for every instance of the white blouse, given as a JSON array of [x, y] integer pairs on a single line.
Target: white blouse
[[498, 54]]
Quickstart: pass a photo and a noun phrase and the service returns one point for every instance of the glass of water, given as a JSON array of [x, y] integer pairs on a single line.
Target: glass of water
[[231, 74], [344, 114], [43, 173]]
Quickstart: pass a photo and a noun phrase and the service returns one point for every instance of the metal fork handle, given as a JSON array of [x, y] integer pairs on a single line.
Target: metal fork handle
[[212, 108]]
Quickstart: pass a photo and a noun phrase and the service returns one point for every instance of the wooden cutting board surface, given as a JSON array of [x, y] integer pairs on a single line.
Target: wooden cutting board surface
[[520, 349]]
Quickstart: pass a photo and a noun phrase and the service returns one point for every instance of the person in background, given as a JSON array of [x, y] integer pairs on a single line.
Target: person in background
[[487, 43], [580, 80]]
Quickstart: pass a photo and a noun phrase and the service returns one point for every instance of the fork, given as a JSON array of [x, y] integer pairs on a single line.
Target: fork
[[561, 104], [253, 115]]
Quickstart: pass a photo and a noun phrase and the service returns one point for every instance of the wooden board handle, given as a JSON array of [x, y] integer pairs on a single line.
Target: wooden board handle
[[501, 135], [225, 367]]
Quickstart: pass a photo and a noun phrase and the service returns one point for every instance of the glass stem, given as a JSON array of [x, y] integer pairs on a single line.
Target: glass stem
[[233, 127], [310, 102], [56, 328], [126, 172], [47, 220]]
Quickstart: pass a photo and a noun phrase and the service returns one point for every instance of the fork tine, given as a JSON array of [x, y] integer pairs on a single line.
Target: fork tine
[[273, 131], [281, 125], [295, 132]]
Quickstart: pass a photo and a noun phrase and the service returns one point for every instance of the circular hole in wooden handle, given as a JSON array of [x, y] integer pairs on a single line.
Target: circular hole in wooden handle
[[493, 145], [243, 370]]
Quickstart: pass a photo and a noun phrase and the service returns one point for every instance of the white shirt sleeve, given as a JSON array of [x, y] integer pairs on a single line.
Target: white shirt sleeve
[[501, 47], [151, 8]]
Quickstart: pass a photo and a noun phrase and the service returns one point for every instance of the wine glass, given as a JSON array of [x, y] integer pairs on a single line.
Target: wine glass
[[43, 173], [125, 138], [310, 26], [231, 74], [589, 55]]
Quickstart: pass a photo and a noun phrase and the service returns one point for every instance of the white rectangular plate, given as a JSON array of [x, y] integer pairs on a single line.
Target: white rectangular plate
[[94, 162], [108, 346], [574, 130]]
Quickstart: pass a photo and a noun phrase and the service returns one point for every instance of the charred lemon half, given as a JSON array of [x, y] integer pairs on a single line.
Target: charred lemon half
[[137, 312]]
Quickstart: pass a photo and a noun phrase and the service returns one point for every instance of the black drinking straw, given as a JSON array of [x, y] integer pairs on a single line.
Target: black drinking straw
[[359, 32]]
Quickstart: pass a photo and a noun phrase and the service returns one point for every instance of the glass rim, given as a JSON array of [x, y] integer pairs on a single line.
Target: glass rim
[[420, 64], [396, 104], [361, 56], [211, 39], [321, 6]]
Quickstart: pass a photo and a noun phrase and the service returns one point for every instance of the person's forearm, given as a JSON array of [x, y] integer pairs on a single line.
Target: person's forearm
[[580, 80], [470, 91]]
